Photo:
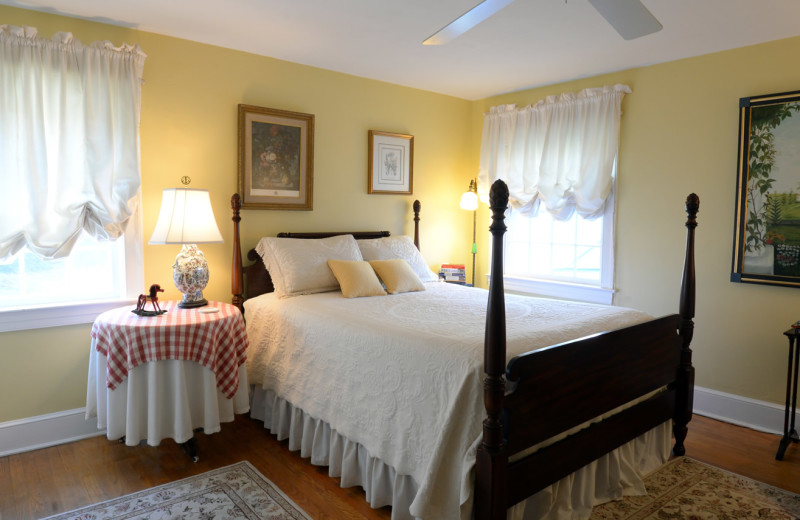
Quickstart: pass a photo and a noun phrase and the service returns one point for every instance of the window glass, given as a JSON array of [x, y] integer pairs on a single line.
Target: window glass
[[545, 248], [93, 271]]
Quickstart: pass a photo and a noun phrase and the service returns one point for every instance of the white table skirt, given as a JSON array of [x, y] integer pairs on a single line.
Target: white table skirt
[[160, 400]]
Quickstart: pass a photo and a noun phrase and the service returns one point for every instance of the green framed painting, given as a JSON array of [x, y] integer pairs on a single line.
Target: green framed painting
[[766, 247]]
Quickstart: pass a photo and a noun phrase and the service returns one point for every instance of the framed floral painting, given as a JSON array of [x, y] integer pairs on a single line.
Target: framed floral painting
[[766, 246], [391, 163], [276, 158]]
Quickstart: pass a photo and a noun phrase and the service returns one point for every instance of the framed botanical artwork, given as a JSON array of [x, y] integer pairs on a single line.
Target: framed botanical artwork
[[276, 158], [391, 163], [766, 241]]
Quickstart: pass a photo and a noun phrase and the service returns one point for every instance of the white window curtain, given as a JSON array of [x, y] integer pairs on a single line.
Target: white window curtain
[[69, 140], [559, 153]]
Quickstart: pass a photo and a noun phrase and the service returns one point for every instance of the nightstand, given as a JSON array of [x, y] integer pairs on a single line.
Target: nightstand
[[167, 376]]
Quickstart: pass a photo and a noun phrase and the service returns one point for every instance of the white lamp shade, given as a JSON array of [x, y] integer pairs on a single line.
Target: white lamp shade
[[186, 218], [469, 201]]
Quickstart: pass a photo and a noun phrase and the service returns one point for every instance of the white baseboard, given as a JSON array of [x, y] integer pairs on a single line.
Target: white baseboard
[[743, 411], [33, 433]]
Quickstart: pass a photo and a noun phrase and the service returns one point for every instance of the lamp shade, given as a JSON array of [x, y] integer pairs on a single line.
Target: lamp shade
[[469, 201], [186, 218]]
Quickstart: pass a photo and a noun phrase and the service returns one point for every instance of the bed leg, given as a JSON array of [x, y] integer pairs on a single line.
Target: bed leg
[[490, 485], [683, 411]]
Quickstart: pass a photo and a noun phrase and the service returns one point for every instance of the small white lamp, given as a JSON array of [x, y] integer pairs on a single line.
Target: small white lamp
[[187, 218], [469, 201]]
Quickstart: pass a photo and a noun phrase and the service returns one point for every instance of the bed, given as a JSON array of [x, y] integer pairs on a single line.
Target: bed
[[492, 421]]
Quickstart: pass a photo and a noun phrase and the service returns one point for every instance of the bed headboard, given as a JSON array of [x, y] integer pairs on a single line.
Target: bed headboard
[[248, 281]]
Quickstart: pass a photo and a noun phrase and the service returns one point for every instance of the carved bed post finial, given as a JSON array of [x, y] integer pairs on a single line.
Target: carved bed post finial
[[688, 282], [236, 272], [417, 207], [490, 479], [684, 400]]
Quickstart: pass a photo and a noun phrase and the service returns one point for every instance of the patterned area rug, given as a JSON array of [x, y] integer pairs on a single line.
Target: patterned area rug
[[688, 489], [232, 492]]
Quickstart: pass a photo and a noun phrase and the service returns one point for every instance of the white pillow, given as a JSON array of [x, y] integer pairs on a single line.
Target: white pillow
[[300, 265], [389, 248]]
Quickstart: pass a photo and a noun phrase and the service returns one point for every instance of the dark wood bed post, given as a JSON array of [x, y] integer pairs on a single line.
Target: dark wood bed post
[[236, 276], [684, 398], [492, 461], [417, 207]]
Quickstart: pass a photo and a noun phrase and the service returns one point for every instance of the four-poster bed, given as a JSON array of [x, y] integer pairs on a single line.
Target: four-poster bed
[[637, 377]]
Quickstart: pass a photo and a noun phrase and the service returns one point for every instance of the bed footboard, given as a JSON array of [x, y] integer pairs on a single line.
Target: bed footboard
[[580, 381], [575, 382]]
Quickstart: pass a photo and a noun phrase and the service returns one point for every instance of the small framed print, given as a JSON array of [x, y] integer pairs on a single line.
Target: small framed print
[[276, 158], [391, 163]]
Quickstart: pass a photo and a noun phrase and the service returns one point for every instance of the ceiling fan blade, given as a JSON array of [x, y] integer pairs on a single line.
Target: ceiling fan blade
[[466, 21], [629, 18]]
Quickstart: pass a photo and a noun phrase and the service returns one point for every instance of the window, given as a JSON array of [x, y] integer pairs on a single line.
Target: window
[[558, 155], [69, 153], [571, 259]]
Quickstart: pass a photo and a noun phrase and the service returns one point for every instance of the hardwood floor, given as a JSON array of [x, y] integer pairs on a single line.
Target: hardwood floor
[[52, 480], [744, 451]]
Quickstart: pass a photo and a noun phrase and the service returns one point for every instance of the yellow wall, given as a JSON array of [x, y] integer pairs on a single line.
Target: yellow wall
[[189, 127], [679, 134]]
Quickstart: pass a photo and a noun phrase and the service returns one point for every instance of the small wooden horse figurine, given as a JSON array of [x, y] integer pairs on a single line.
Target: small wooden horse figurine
[[152, 298]]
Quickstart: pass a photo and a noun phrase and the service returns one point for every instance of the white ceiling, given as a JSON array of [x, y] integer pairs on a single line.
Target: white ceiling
[[529, 43]]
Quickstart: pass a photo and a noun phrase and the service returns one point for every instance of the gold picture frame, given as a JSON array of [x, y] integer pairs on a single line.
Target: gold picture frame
[[276, 158], [391, 163]]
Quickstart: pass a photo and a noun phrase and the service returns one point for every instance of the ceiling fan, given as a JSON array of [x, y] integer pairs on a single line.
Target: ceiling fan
[[629, 18]]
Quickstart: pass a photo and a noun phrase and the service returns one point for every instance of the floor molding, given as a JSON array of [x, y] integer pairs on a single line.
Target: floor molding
[[743, 411], [33, 433]]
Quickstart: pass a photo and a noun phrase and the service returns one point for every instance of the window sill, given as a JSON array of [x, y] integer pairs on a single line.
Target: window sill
[[56, 315], [567, 291]]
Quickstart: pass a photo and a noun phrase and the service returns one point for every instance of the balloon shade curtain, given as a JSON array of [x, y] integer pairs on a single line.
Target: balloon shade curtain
[[559, 153], [69, 140]]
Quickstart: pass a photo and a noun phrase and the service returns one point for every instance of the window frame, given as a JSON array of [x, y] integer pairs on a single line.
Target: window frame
[[82, 312]]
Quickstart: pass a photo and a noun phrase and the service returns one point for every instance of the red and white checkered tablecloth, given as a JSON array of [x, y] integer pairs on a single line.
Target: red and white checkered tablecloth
[[216, 340]]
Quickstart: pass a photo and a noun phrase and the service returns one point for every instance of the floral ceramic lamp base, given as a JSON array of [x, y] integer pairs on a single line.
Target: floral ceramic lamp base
[[190, 274]]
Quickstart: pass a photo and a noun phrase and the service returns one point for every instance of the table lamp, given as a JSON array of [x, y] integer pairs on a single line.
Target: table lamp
[[469, 201], [187, 218]]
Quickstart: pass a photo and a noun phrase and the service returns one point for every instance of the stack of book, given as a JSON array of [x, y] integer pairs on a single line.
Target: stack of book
[[453, 273]]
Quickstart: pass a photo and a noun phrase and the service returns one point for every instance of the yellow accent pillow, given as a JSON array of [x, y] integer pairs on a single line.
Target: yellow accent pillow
[[397, 275], [356, 278]]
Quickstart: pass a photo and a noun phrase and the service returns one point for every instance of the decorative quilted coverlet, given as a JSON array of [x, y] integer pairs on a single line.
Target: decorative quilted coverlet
[[402, 374]]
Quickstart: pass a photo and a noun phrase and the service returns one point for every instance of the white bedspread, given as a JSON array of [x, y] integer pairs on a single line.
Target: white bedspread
[[401, 374]]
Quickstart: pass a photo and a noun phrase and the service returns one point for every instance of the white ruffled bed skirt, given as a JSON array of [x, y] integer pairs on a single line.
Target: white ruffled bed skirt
[[612, 476]]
